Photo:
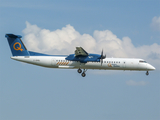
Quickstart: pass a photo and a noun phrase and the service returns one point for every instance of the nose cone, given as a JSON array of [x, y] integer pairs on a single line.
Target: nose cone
[[150, 67]]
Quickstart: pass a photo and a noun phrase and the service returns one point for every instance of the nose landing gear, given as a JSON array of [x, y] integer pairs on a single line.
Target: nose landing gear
[[147, 73], [83, 73]]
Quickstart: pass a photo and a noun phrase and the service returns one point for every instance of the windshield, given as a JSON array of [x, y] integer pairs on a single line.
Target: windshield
[[142, 61]]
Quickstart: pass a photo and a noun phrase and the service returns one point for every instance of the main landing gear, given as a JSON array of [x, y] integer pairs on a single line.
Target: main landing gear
[[83, 73], [147, 73], [79, 70]]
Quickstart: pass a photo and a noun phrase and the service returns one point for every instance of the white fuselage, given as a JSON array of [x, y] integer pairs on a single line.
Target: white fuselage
[[108, 63]]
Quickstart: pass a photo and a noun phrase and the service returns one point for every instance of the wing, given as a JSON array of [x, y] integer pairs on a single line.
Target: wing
[[80, 52]]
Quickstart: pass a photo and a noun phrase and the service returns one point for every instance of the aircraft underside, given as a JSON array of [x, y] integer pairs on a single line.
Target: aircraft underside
[[61, 63]]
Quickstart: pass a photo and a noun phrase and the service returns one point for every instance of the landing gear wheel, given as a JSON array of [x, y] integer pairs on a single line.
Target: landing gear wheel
[[147, 73], [83, 74], [79, 70]]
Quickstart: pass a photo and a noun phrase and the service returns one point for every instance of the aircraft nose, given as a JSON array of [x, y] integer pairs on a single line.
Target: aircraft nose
[[150, 67]]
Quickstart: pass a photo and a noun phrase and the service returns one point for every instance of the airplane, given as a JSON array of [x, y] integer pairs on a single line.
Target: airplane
[[79, 60]]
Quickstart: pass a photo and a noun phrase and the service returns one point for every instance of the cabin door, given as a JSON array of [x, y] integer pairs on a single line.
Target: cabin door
[[124, 64], [53, 62]]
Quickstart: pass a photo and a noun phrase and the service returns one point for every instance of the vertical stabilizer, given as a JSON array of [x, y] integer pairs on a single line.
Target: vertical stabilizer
[[16, 45]]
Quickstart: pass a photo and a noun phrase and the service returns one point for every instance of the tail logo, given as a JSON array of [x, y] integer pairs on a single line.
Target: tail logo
[[17, 47]]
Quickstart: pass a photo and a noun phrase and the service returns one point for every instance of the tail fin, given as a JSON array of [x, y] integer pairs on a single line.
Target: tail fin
[[16, 45]]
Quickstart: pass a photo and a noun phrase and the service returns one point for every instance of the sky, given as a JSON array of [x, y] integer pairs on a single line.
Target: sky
[[122, 28]]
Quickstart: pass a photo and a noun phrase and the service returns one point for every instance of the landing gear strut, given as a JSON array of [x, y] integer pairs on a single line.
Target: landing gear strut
[[83, 73], [147, 73]]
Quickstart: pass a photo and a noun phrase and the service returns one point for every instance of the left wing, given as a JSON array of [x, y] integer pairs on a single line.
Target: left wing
[[82, 56], [80, 52]]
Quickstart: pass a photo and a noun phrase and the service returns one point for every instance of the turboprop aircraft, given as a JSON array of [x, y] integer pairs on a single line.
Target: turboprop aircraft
[[80, 60]]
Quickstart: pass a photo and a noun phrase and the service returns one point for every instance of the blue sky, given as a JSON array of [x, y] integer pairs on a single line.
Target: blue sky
[[29, 92]]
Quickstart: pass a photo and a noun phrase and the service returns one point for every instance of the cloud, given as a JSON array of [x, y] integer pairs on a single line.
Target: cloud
[[135, 83], [64, 41], [156, 23]]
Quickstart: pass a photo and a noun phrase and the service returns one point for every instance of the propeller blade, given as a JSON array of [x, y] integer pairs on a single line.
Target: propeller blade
[[102, 53], [101, 57], [101, 61]]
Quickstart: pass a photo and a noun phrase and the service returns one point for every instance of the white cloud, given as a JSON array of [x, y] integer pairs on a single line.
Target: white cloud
[[136, 83], [64, 41], [156, 23]]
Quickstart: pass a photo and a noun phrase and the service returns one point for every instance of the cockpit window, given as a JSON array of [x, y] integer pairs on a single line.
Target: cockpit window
[[142, 61]]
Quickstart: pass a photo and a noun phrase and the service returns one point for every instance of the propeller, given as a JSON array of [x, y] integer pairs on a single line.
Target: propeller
[[102, 57]]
